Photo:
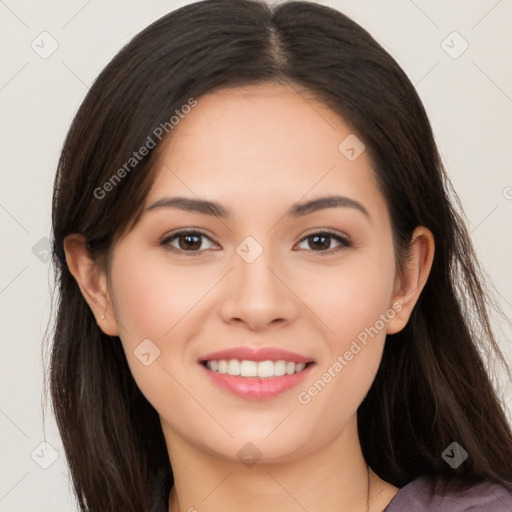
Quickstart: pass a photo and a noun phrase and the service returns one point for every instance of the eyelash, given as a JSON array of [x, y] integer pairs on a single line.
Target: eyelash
[[345, 242]]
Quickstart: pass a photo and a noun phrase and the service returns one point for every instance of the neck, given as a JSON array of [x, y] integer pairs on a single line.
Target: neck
[[332, 477]]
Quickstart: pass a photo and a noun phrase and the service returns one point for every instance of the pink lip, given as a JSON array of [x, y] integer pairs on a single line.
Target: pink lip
[[254, 388], [252, 354]]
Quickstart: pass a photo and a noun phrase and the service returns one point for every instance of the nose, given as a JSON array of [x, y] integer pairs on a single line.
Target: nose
[[258, 294]]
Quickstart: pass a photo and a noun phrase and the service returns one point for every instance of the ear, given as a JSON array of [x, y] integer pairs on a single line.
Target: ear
[[92, 282], [409, 285]]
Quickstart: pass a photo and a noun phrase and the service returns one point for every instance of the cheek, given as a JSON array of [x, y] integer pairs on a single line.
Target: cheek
[[151, 302], [163, 302], [350, 297], [152, 296]]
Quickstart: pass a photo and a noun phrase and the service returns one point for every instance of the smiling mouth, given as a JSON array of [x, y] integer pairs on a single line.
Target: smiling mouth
[[251, 369]]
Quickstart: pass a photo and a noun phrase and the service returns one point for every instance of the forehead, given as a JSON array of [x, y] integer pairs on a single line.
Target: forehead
[[261, 146]]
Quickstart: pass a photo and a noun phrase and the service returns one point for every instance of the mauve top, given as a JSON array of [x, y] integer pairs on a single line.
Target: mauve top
[[428, 494]]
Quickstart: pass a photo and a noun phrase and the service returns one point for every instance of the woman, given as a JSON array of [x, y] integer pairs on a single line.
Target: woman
[[268, 300]]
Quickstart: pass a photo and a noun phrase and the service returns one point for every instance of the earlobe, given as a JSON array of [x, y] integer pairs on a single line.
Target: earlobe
[[414, 276], [91, 281], [398, 321]]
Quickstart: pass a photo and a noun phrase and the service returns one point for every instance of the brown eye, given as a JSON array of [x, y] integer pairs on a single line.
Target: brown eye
[[187, 241], [321, 242]]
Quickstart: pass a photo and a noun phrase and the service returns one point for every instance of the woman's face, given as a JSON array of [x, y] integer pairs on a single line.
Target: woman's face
[[258, 277]]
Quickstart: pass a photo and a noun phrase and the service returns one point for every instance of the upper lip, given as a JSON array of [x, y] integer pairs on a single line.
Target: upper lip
[[255, 354]]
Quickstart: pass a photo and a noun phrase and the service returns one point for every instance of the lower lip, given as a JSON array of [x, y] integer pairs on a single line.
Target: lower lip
[[254, 388]]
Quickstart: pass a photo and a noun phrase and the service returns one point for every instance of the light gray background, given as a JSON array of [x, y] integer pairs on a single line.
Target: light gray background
[[468, 98]]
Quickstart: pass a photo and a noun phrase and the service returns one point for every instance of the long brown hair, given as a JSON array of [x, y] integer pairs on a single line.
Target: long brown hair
[[432, 387]]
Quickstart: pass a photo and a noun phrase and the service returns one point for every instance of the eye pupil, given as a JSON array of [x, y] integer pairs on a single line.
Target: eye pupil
[[317, 237], [188, 237]]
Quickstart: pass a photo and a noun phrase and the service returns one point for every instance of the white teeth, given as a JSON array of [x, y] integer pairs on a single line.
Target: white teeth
[[233, 367], [262, 369], [290, 368], [280, 368], [248, 368], [223, 366], [266, 369]]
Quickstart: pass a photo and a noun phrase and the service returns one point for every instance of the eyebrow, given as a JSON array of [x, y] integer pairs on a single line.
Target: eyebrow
[[215, 209]]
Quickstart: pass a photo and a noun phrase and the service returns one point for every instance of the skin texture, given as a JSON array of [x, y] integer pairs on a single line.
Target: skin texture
[[257, 150]]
